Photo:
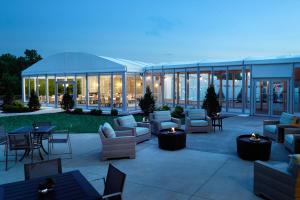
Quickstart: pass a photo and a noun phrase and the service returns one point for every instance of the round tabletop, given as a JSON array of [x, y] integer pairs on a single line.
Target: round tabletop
[[169, 140]]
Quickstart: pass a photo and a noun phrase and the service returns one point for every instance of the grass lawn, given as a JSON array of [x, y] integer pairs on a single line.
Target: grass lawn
[[76, 123]]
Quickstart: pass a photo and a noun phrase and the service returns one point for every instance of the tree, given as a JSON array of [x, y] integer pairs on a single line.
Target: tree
[[67, 102], [9, 86], [147, 102], [34, 103], [211, 103]]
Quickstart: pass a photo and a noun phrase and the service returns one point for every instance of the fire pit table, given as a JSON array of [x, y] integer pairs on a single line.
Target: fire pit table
[[172, 139], [248, 149]]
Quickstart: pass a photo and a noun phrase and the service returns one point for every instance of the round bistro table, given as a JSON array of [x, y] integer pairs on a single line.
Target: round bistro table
[[250, 150], [172, 141]]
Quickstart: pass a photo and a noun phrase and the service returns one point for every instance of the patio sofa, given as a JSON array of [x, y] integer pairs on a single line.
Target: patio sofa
[[274, 129], [116, 144], [276, 181], [141, 131], [163, 120], [196, 120], [292, 140]]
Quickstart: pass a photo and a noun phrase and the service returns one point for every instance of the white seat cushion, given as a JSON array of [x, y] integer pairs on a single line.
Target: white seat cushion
[[289, 138], [196, 114], [199, 122], [141, 130], [127, 121], [162, 116], [270, 128], [167, 125], [108, 131]]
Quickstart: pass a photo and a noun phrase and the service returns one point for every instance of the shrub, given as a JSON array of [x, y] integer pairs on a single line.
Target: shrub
[[67, 102], [15, 107], [34, 103], [165, 107], [78, 111], [96, 112], [211, 103], [147, 102], [178, 112], [114, 112]]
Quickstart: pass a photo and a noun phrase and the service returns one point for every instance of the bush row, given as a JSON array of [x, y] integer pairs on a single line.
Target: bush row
[[96, 112], [178, 111], [15, 107]]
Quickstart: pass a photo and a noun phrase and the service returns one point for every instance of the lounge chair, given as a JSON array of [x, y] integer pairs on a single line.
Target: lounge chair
[[196, 120], [163, 120]]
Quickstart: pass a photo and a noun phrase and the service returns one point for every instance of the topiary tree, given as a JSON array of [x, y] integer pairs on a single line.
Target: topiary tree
[[147, 102], [211, 103], [67, 102], [34, 103]]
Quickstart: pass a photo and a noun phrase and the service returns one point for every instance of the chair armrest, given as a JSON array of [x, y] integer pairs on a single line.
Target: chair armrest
[[273, 173], [120, 139], [292, 130], [125, 132], [284, 126], [187, 121], [142, 124], [176, 120], [271, 122]]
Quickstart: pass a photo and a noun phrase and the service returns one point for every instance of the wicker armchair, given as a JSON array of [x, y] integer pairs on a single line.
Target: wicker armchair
[[275, 182], [274, 129], [163, 120], [292, 140], [142, 131], [196, 120], [123, 145]]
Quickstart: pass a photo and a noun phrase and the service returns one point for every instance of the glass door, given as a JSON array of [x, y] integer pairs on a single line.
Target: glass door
[[271, 97]]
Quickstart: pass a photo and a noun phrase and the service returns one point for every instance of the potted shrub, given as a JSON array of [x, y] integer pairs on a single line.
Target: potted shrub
[[34, 103], [114, 112], [211, 103], [147, 103], [67, 102]]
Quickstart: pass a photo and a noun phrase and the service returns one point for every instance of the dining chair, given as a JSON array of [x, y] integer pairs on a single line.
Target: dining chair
[[113, 184], [60, 137], [43, 168], [3, 141]]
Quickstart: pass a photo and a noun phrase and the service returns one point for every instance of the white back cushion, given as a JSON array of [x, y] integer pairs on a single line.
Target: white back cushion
[[162, 116], [127, 121], [108, 131], [197, 114]]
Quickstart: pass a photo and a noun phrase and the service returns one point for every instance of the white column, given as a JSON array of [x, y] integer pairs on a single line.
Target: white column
[[227, 88], [37, 87], [23, 90], [135, 99], [99, 99], [243, 89], [163, 88], [86, 90], [34, 81], [124, 93], [75, 91], [47, 89], [174, 89], [111, 90], [198, 87], [186, 87], [56, 90]]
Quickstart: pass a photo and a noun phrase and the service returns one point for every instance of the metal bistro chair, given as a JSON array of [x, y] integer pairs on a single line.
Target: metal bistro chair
[[60, 137], [113, 184], [3, 140], [44, 168]]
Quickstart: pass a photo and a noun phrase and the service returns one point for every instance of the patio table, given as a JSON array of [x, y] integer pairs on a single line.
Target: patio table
[[69, 185], [40, 131]]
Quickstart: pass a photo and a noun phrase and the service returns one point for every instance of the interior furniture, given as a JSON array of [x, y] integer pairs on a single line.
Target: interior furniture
[[274, 129], [142, 131], [275, 182], [122, 145], [196, 120], [162, 120], [292, 140], [43, 168], [69, 185], [113, 183], [60, 137], [169, 139], [253, 150]]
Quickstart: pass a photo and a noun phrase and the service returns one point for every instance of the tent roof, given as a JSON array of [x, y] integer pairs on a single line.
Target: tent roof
[[76, 63]]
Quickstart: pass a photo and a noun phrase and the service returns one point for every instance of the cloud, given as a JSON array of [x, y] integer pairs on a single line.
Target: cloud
[[159, 25]]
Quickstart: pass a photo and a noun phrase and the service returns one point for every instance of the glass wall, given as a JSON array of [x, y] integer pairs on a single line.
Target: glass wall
[[42, 89], [139, 88], [220, 86], [168, 88], [235, 90], [81, 89], [148, 80], [105, 90], [192, 89], [297, 90], [117, 92], [204, 83], [51, 89], [248, 89], [180, 88], [93, 90], [27, 89], [157, 93], [130, 91]]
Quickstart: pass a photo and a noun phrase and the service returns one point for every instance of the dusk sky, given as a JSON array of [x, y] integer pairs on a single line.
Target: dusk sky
[[152, 31]]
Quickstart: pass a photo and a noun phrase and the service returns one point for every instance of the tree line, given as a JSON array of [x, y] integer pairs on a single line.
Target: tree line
[[11, 67]]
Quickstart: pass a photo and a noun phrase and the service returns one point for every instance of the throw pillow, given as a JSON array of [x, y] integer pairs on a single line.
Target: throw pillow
[[127, 121], [108, 131], [294, 164]]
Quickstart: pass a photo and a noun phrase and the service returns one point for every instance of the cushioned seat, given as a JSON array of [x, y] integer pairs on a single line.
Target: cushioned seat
[[271, 128], [199, 122], [141, 130], [289, 138], [167, 125]]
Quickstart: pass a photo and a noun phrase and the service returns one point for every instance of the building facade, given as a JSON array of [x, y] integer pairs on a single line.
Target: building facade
[[250, 86]]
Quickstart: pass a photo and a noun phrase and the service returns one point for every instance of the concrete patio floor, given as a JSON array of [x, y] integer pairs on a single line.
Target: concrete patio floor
[[202, 171]]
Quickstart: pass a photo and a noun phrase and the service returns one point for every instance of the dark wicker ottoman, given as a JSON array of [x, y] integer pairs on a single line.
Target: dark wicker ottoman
[[172, 141], [249, 150]]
